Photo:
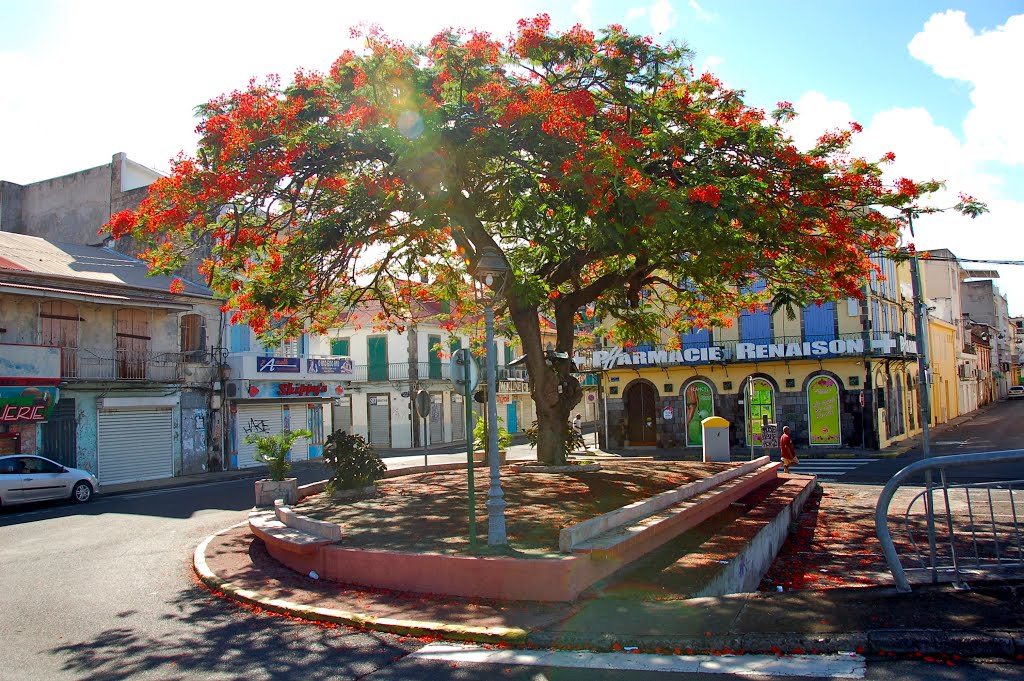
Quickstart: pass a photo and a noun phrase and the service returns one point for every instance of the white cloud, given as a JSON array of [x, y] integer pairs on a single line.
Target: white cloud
[[663, 16], [709, 64], [949, 45], [583, 9], [701, 13], [925, 150]]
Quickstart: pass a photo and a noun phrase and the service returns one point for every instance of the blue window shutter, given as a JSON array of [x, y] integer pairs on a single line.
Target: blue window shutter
[[820, 322], [696, 338], [239, 338], [756, 327]]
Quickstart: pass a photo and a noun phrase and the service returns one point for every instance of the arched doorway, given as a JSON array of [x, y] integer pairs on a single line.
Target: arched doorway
[[760, 398], [640, 412], [699, 402]]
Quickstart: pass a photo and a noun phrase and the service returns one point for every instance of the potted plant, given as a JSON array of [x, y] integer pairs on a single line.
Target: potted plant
[[354, 465], [480, 438], [273, 450]]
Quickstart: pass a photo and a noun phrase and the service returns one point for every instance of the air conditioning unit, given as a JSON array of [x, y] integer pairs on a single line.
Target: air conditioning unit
[[234, 389]]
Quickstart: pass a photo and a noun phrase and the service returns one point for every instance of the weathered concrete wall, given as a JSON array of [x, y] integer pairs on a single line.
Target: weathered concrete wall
[[196, 427], [70, 208], [10, 206]]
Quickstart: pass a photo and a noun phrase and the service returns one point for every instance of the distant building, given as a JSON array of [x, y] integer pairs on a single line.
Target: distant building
[[984, 303]]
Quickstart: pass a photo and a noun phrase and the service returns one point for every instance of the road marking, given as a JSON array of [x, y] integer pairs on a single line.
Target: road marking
[[829, 469], [840, 666]]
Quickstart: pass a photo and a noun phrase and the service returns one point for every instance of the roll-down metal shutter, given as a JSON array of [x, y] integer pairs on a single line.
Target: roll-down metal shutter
[[262, 419], [436, 418], [134, 444], [458, 417], [341, 414], [378, 410]]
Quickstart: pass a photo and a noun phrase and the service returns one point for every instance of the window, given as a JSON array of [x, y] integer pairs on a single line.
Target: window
[[9, 466], [132, 343], [696, 338], [756, 327], [59, 328], [377, 354], [433, 359], [820, 322], [341, 347], [193, 337], [240, 337]]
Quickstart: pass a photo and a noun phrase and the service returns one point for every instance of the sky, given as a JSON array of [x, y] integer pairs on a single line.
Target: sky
[[938, 84]]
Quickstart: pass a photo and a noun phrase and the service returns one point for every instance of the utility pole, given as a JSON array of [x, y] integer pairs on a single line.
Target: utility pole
[[924, 393]]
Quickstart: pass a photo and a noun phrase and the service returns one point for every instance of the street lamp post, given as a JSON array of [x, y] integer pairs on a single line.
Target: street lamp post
[[490, 275]]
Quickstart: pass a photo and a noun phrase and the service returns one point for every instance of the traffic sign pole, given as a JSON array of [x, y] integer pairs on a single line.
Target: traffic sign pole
[[466, 376]]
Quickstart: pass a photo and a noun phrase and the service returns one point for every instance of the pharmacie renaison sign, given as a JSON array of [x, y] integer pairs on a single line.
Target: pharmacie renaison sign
[[614, 357]]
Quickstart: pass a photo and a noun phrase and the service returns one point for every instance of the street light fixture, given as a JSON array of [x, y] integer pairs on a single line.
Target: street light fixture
[[491, 275]]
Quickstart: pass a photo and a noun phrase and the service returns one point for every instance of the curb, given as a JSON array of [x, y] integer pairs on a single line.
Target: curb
[[454, 632]]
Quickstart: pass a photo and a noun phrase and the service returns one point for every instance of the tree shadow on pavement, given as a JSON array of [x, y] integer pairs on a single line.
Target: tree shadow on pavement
[[211, 638]]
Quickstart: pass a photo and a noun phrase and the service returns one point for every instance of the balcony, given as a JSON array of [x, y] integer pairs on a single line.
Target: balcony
[[92, 364]]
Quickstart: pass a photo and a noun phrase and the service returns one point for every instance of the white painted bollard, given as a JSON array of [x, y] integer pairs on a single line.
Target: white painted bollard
[[716, 439]]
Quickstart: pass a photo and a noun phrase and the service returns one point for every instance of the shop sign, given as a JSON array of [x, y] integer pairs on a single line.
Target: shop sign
[[330, 365], [617, 357], [271, 390], [27, 404], [278, 365], [823, 408]]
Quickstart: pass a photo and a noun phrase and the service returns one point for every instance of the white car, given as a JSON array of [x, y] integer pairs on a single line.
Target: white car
[[1016, 392], [25, 478]]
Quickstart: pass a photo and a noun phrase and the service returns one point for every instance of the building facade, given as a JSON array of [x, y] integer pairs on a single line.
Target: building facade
[[363, 380], [133, 394], [843, 373]]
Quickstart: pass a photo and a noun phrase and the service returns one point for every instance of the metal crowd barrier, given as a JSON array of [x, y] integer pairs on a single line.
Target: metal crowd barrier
[[955, 531]]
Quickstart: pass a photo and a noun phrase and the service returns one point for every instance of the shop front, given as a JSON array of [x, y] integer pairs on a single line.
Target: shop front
[[271, 407], [29, 375]]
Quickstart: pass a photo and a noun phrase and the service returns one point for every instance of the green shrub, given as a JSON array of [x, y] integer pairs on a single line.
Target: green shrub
[[273, 450], [352, 461], [480, 435]]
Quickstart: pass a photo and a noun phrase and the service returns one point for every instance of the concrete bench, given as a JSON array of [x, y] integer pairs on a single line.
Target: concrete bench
[[266, 526], [628, 533]]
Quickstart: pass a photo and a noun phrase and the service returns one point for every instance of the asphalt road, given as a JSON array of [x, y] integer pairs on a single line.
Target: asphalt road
[[105, 591], [999, 427]]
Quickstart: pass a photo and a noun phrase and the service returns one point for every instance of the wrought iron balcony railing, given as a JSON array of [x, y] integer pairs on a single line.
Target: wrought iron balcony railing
[[93, 364]]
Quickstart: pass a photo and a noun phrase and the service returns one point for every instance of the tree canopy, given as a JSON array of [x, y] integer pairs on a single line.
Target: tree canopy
[[602, 168]]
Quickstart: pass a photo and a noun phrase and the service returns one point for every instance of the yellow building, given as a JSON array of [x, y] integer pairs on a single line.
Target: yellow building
[[840, 374], [943, 361]]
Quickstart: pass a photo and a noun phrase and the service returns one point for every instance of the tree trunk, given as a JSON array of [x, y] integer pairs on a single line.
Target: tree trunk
[[553, 388]]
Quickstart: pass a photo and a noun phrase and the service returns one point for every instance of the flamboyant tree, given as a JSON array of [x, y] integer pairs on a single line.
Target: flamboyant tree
[[602, 169]]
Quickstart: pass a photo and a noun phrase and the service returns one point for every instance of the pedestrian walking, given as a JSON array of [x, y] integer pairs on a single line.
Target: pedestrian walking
[[577, 431], [788, 450]]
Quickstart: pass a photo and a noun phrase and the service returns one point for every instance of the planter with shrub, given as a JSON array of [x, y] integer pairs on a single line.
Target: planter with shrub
[[273, 450], [354, 466]]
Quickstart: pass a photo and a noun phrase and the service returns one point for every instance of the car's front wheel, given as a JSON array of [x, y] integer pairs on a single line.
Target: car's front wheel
[[81, 493]]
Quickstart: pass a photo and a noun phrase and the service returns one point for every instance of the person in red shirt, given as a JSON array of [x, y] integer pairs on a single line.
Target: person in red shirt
[[788, 450]]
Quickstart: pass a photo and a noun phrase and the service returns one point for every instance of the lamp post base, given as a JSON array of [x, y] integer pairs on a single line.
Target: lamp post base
[[496, 522]]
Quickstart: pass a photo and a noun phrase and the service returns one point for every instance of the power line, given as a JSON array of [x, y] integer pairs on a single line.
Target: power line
[[978, 261]]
